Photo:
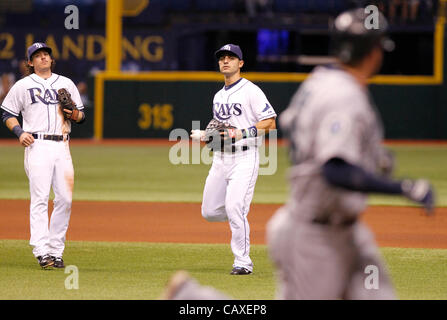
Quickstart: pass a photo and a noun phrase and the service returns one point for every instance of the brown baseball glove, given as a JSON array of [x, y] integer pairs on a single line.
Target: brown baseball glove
[[67, 105], [219, 135]]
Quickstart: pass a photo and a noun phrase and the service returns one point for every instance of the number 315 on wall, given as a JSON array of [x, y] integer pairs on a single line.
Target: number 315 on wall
[[155, 117]]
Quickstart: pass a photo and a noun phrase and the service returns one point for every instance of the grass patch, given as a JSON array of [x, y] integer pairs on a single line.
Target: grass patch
[[129, 271], [115, 270], [144, 173]]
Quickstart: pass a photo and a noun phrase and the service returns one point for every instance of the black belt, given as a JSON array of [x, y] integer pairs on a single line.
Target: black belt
[[233, 149], [52, 137], [243, 148], [327, 222]]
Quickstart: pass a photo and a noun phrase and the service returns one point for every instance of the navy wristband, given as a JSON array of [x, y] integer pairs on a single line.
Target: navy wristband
[[252, 132], [17, 130], [249, 133]]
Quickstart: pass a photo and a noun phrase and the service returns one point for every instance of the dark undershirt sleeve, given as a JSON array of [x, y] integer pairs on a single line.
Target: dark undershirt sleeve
[[342, 174]]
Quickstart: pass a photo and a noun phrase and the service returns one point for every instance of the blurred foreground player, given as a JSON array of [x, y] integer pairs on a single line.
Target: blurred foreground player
[[320, 248]]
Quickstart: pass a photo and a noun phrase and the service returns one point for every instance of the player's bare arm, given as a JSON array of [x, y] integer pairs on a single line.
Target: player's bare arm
[[264, 126], [25, 138]]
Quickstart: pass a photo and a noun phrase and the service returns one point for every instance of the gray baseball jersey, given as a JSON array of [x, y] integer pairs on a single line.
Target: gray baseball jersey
[[330, 116], [320, 248]]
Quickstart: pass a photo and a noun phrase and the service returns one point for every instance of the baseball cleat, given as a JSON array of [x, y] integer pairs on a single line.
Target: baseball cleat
[[240, 271], [45, 261], [58, 262]]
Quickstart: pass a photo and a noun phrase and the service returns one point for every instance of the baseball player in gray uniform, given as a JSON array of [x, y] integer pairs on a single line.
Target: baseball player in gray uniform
[[319, 246], [45, 136]]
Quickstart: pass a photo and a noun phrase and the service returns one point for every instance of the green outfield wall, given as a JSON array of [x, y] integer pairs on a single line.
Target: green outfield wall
[[151, 109], [143, 109]]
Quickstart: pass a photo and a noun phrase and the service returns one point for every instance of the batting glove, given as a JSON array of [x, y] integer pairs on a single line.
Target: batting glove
[[419, 191]]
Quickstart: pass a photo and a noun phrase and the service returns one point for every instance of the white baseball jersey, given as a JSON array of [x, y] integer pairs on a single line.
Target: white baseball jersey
[[36, 99], [242, 104]]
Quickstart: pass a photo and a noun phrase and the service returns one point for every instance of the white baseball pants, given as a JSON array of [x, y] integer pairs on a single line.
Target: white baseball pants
[[227, 195], [49, 164]]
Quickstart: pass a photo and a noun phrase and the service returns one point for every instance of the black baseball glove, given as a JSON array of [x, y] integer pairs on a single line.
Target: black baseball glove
[[219, 135], [67, 105]]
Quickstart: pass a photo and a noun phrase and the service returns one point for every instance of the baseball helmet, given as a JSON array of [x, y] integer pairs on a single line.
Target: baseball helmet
[[354, 33]]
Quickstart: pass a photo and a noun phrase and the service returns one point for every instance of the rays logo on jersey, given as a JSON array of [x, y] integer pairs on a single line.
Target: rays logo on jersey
[[224, 111], [48, 97]]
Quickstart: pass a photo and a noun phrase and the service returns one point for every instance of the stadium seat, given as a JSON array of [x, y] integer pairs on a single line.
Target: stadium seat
[[172, 5], [213, 5], [291, 5], [323, 6]]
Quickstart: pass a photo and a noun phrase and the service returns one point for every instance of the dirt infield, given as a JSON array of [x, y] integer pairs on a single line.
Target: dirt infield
[[182, 222]]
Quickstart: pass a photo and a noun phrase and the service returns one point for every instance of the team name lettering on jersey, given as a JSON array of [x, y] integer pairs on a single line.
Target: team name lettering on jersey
[[49, 96], [224, 111]]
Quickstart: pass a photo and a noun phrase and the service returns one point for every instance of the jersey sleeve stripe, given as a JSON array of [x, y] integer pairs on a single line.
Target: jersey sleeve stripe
[[10, 111], [268, 117]]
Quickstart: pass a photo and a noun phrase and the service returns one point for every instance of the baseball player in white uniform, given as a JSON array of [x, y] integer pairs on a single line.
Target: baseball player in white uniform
[[319, 246], [231, 180], [48, 163]]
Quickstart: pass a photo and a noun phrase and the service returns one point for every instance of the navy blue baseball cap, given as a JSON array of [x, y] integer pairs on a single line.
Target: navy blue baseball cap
[[233, 48], [37, 46]]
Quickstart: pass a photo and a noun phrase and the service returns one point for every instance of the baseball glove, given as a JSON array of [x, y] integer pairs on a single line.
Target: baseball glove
[[219, 135], [67, 105]]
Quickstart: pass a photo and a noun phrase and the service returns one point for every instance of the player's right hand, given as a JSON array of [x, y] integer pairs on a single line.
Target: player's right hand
[[197, 135], [26, 139], [419, 191]]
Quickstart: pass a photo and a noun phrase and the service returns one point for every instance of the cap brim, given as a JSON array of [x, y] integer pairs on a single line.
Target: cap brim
[[47, 49], [219, 53]]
